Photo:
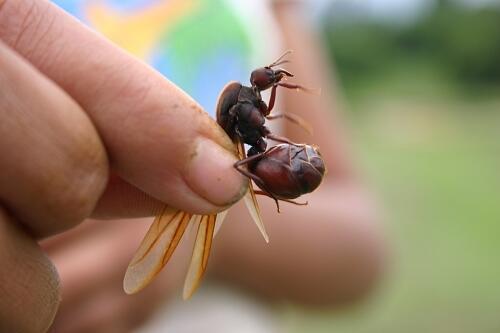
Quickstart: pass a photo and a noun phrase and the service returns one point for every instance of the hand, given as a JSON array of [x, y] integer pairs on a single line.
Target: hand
[[75, 110], [91, 260]]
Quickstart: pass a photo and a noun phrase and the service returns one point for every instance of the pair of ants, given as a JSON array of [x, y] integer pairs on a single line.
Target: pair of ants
[[282, 172]]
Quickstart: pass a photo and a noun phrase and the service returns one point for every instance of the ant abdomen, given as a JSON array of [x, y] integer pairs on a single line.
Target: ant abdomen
[[286, 171]]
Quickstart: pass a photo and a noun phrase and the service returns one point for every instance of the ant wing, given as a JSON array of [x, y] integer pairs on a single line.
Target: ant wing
[[201, 252], [208, 226], [251, 200], [161, 241], [218, 221], [253, 208], [156, 248]]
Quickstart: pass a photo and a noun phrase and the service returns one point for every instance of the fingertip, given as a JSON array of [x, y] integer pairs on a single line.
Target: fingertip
[[211, 174]]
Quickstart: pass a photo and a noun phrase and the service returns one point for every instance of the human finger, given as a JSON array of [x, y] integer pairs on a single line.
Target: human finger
[[121, 199], [89, 255], [29, 292], [53, 165], [157, 137], [91, 288], [110, 310]]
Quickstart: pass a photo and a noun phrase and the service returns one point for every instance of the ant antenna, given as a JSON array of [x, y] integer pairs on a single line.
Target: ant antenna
[[278, 61]]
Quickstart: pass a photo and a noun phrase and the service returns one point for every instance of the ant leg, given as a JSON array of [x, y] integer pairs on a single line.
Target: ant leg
[[253, 151], [272, 99], [281, 139], [298, 87], [255, 178], [283, 72], [294, 119], [247, 160], [252, 158], [285, 200]]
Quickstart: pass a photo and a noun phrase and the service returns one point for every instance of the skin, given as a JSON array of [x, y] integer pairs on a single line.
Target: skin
[[69, 103], [68, 110]]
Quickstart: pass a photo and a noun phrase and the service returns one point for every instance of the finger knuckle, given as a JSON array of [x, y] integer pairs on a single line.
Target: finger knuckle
[[86, 179]]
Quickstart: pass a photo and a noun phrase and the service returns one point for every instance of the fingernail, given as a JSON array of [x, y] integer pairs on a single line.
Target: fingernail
[[211, 174]]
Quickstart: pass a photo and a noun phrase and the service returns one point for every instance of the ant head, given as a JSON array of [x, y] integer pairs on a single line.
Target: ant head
[[265, 77]]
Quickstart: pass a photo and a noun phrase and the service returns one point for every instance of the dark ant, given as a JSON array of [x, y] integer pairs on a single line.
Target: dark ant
[[285, 171], [242, 113]]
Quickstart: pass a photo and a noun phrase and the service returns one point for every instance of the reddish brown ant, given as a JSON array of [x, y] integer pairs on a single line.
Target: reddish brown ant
[[242, 113], [285, 171]]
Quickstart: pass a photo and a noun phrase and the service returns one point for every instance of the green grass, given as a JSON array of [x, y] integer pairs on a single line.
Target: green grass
[[433, 156]]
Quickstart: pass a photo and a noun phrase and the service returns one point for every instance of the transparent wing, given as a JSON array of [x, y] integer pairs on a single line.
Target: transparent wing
[[201, 252], [218, 221], [156, 248], [251, 200], [160, 243], [253, 208]]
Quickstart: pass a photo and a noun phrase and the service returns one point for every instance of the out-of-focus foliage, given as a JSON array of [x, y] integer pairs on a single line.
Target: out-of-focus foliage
[[458, 42], [425, 99]]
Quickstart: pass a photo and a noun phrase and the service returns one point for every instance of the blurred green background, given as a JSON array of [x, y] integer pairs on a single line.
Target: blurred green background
[[423, 100]]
